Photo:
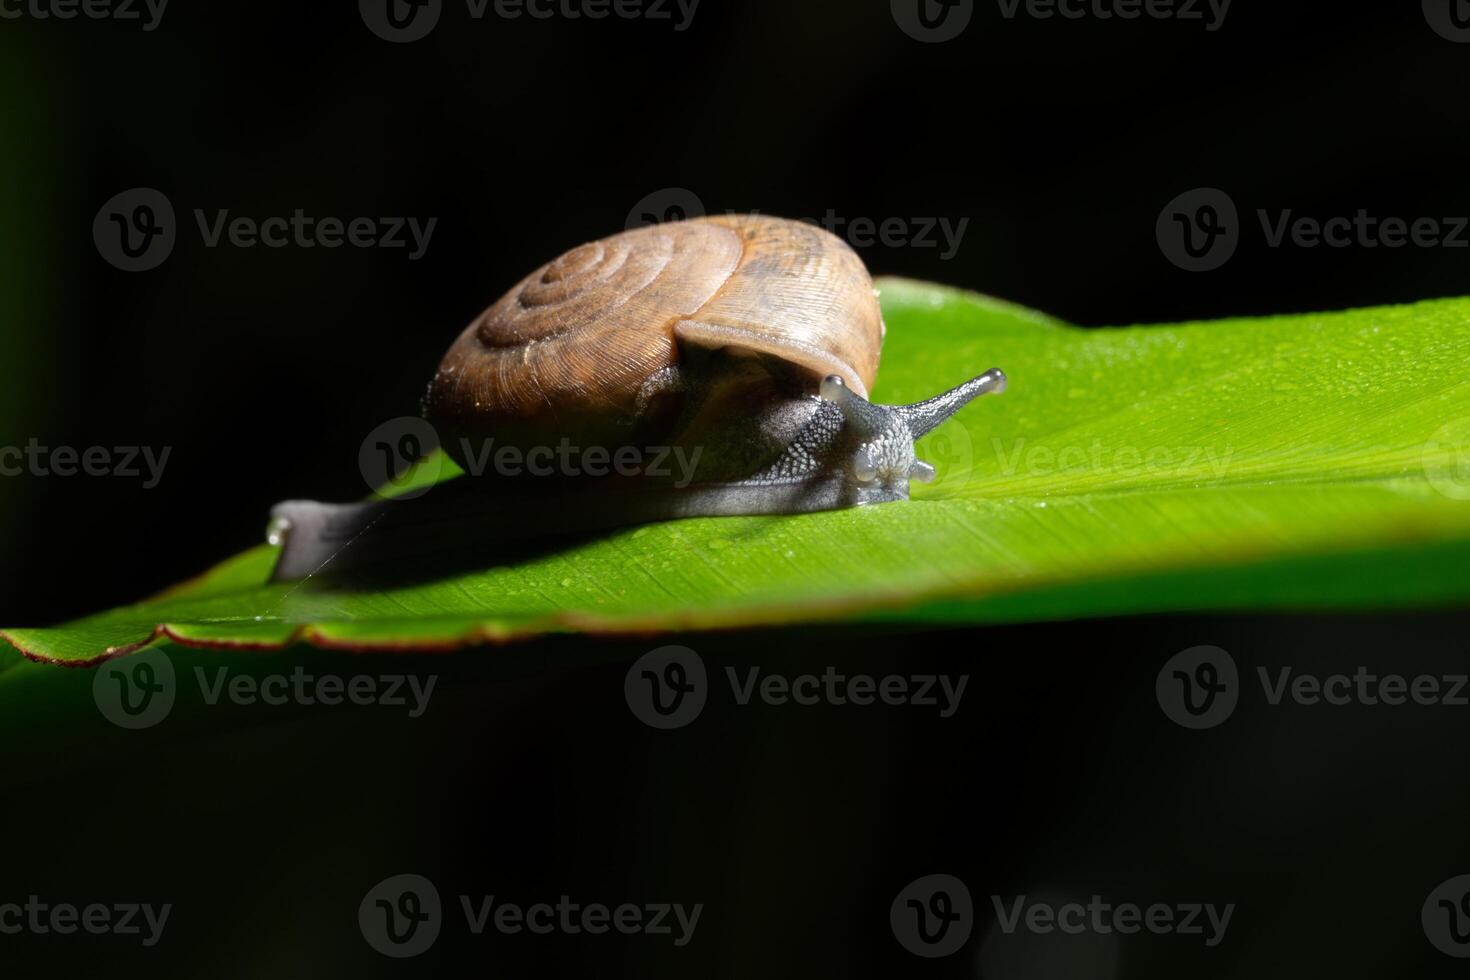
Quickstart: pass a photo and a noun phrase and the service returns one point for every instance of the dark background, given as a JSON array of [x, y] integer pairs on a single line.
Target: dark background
[[263, 369]]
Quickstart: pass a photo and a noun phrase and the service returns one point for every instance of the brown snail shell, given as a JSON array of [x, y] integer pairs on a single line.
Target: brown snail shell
[[752, 337], [584, 347]]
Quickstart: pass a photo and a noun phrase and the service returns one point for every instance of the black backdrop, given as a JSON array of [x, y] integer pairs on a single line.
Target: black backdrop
[[1059, 141]]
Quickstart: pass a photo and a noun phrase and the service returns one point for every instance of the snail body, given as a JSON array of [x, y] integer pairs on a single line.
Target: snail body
[[749, 341]]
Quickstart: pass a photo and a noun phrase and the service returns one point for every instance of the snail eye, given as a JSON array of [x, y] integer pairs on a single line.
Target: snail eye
[[864, 470]]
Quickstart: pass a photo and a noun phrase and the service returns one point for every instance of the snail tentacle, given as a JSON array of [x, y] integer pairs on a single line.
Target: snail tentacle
[[923, 417]]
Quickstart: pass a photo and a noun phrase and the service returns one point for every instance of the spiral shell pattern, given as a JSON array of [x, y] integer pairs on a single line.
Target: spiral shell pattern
[[567, 352]]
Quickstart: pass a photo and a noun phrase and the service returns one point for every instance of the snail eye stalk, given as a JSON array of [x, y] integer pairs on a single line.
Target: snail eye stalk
[[864, 419], [923, 417]]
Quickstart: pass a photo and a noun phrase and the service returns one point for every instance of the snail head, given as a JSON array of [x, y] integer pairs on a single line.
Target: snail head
[[882, 437]]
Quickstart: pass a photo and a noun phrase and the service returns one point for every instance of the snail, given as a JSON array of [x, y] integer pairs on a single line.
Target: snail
[[749, 343]]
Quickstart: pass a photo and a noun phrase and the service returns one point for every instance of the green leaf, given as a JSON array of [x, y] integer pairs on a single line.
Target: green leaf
[[1299, 461]]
